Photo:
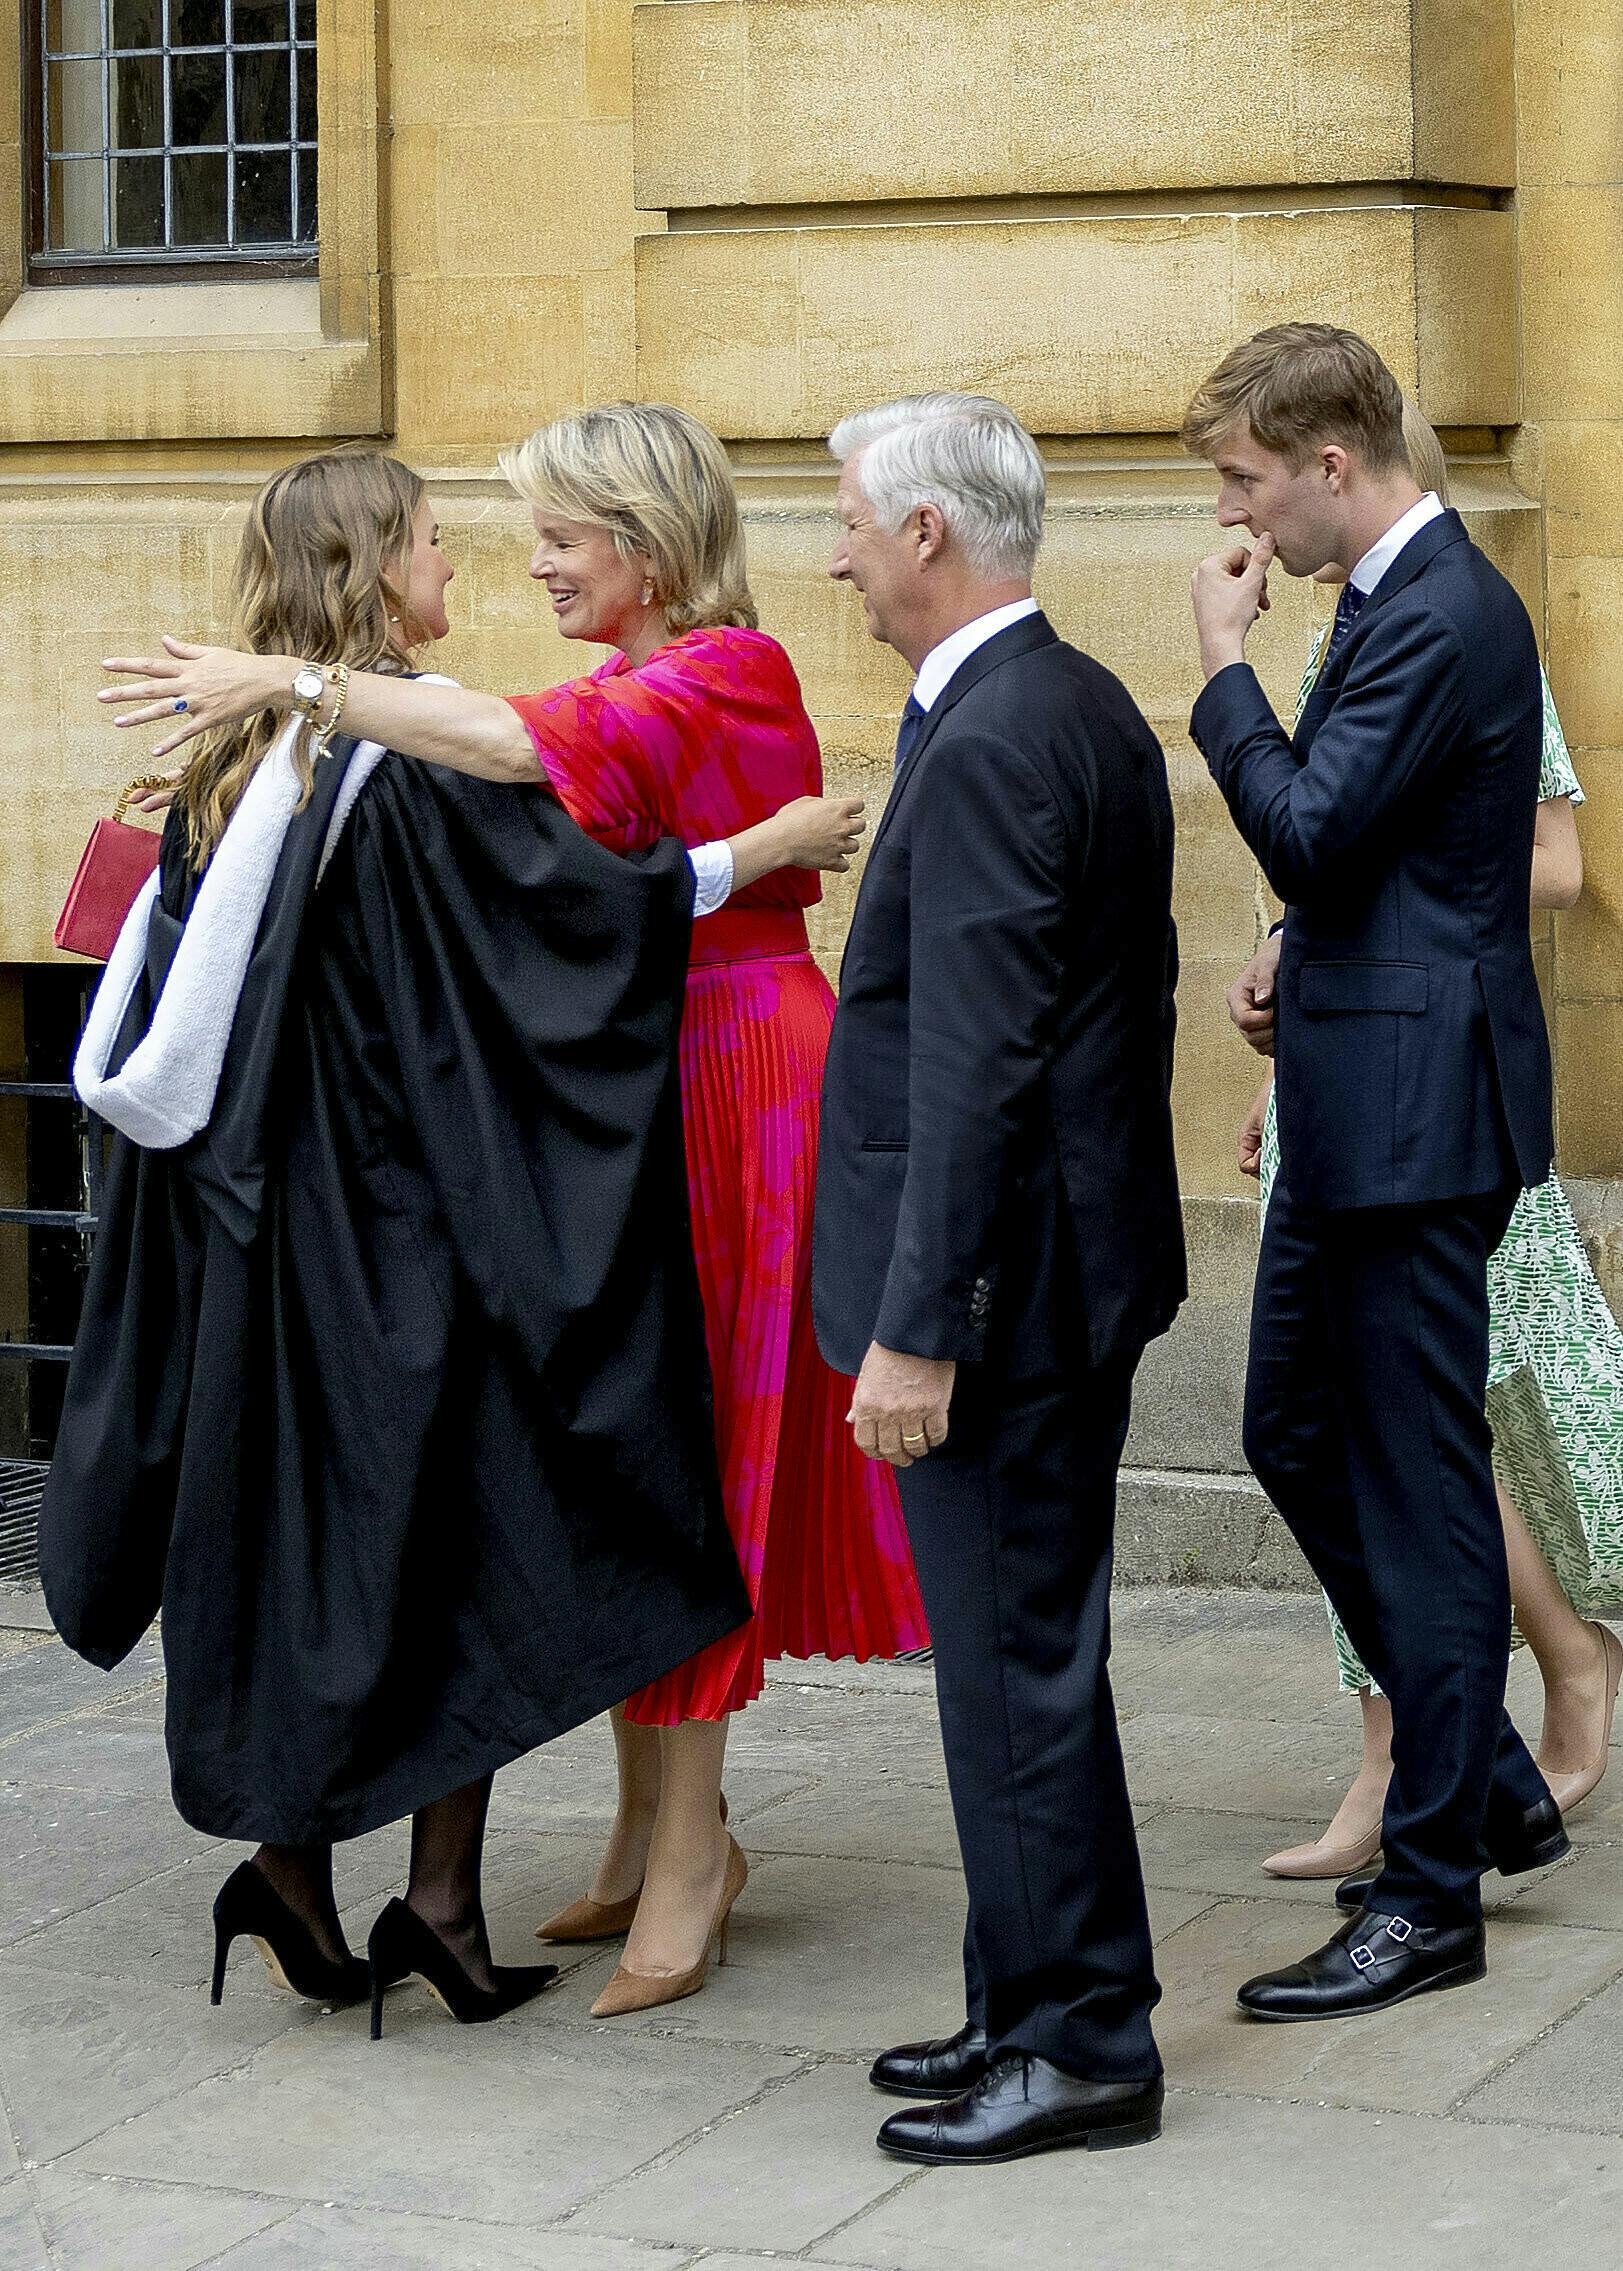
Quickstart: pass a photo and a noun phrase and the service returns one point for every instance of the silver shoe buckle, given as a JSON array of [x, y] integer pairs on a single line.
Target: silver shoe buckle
[[1363, 1959], [1398, 1928]]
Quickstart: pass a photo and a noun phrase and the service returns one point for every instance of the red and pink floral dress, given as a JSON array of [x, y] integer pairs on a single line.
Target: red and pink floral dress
[[707, 737]]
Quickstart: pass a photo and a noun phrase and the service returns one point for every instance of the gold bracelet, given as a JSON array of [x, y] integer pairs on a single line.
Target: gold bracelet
[[338, 677]]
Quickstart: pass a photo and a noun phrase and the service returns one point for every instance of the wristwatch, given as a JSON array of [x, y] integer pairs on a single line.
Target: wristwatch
[[309, 687]]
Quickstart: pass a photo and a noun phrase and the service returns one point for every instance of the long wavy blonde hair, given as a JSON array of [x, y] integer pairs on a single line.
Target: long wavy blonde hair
[[660, 483], [321, 574]]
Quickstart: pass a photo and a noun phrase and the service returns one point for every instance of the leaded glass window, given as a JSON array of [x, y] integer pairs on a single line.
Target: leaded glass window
[[175, 132]]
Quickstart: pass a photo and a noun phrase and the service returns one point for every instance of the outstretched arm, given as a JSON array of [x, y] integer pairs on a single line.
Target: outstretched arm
[[812, 831], [454, 726]]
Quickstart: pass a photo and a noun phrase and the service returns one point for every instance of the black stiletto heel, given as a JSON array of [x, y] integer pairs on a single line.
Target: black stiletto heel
[[402, 1944], [249, 1906]]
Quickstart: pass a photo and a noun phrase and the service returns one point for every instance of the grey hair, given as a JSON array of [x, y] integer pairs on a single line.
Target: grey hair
[[964, 453]]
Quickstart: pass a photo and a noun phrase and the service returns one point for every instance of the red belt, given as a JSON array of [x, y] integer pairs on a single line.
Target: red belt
[[748, 934]]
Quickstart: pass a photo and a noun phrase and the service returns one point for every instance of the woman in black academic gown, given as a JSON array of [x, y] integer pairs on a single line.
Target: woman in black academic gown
[[394, 1292]]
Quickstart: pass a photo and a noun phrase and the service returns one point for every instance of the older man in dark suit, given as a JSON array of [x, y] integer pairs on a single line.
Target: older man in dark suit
[[1413, 1078], [997, 1237]]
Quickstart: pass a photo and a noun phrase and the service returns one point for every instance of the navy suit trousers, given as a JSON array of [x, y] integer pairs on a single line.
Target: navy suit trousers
[[1011, 1523], [1365, 1424]]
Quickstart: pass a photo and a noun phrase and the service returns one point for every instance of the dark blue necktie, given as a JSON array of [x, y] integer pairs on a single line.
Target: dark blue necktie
[[913, 717], [1347, 612]]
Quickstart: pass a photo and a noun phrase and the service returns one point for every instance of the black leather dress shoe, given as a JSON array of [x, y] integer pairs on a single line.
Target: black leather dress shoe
[[1371, 1962], [1023, 2105], [943, 2069], [1540, 1838]]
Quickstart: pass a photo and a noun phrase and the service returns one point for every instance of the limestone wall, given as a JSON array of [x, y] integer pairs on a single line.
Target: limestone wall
[[1569, 454], [774, 209]]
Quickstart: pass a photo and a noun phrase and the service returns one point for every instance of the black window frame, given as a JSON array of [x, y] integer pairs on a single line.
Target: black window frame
[[48, 267]]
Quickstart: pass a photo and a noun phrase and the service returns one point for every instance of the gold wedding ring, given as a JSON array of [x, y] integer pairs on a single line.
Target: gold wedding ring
[[915, 1439]]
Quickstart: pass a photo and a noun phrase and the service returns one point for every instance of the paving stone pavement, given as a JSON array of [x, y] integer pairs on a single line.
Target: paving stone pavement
[[141, 2130]]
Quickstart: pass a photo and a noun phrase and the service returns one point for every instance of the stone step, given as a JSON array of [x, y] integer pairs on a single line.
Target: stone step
[[1183, 1528]]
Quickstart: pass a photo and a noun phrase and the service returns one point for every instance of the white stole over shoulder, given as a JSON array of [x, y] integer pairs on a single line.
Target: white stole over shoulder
[[163, 1093]]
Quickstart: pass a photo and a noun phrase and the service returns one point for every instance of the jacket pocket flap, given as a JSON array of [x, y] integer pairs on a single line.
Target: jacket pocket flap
[[1336, 989]]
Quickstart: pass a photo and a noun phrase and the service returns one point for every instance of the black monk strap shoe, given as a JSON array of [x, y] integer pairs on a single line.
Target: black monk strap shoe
[[943, 2069], [1540, 1838], [1023, 2105], [1372, 1961]]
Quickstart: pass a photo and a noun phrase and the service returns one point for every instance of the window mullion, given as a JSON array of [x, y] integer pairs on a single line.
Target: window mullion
[[167, 27], [230, 125], [106, 129]]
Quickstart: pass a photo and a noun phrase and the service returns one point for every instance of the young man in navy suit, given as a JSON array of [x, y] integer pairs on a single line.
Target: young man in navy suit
[[1413, 1079], [997, 1236]]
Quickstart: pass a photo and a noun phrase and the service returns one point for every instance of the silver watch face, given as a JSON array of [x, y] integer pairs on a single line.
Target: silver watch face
[[308, 686]]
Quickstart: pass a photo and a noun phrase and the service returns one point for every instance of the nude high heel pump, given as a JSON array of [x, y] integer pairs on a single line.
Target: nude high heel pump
[[633, 1991], [1569, 1790], [587, 1919], [1321, 1860]]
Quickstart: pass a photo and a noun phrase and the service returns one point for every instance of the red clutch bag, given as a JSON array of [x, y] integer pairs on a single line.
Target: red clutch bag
[[117, 861]]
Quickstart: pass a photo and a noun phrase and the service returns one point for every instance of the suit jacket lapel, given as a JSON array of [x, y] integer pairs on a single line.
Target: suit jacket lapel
[[1418, 553], [1024, 637], [1316, 706]]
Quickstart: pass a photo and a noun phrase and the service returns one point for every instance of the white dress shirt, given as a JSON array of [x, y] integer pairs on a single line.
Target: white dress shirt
[[712, 866], [1385, 549], [942, 661]]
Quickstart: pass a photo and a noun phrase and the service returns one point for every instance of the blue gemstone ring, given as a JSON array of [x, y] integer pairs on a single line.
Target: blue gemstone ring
[[180, 704]]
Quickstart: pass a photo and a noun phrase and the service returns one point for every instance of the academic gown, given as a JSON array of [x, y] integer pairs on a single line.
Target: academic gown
[[390, 1386]]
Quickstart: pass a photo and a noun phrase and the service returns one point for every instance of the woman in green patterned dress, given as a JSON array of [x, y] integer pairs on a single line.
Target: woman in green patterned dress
[[1555, 1405]]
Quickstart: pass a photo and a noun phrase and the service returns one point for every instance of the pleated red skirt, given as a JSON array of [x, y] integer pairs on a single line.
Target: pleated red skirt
[[818, 1527]]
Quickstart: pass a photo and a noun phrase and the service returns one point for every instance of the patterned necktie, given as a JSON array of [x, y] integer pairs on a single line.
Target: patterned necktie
[[1347, 612], [913, 717]]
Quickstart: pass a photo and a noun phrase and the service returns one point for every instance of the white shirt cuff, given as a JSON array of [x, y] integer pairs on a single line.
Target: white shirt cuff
[[712, 866]]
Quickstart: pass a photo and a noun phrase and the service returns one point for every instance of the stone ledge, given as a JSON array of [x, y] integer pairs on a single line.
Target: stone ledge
[[1191, 1529], [1096, 327]]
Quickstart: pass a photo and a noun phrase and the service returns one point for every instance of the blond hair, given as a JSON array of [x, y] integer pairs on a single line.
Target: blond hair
[[1298, 386], [320, 574], [1425, 452], [660, 483]]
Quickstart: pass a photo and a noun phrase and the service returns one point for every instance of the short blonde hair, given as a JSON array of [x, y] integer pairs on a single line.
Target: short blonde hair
[[660, 483], [1298, 386], [1426, 460]]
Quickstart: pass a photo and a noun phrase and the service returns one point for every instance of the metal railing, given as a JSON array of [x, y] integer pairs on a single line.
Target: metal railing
[[82, 1218]]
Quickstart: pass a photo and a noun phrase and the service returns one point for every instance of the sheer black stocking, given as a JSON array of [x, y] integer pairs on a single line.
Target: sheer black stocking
[[447, 1849], [302, 1875]]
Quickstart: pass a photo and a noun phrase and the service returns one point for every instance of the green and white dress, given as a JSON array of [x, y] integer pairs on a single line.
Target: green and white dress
[[1555, 1366]]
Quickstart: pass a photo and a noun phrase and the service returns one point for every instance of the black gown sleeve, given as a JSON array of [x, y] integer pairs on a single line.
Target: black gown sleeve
[[532, 985]]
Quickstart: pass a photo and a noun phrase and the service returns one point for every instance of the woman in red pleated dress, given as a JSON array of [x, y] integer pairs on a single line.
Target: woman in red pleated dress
[[695, 728]]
